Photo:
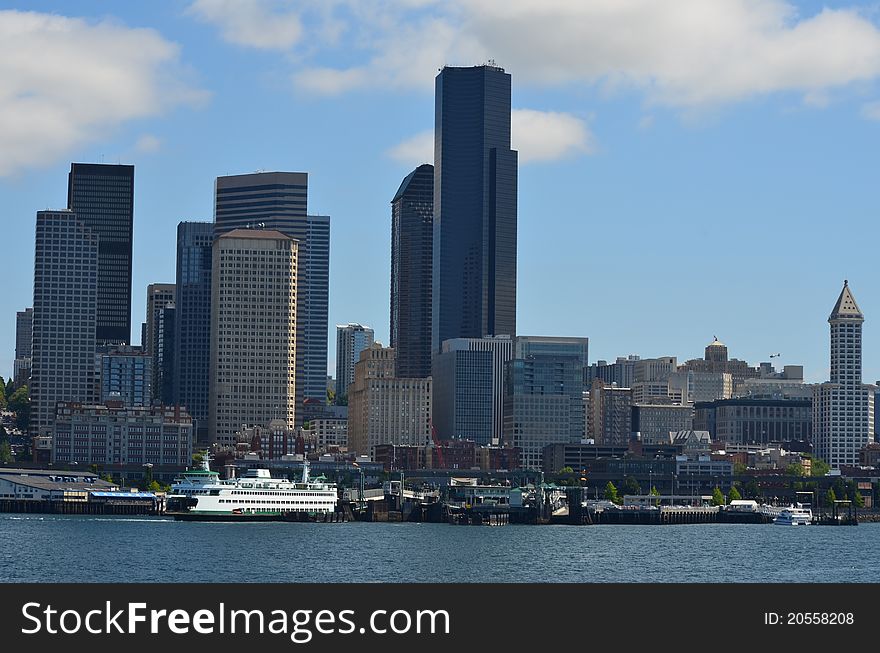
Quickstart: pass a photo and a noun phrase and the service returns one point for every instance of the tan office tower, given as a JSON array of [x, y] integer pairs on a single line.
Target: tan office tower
[[253, 332]]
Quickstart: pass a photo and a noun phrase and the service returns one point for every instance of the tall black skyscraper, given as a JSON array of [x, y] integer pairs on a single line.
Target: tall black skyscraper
[[192, 324], [475, 174], [279, 200], [102, 196], [412, 235]]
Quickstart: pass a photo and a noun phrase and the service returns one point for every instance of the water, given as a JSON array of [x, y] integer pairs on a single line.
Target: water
[[55, 548]]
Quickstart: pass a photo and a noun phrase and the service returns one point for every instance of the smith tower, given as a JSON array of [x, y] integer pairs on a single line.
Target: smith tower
[[843, 409], [475, 176]]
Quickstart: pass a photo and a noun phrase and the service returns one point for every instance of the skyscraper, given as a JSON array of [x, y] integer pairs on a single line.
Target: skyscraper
[[475, 182], [278, 200], [192, 324], [66, 262], [166, 352], [253, 331], [102, 196], [24, 327], [351, 340], [412, 237], [159, 295], [843, 408]]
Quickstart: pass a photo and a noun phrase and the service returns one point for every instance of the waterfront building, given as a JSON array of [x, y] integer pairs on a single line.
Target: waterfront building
[[653, 422], [159, 295], [611, 417], [843, 408], [102, 197], [40, 485], [351, 340], [412, 238], [475, 206], [126, 375], [24, 333], [113, 434], [253, 331], [64, 318], [384, 409], [754, 420], [468, 379], [191, 364], [279, 201], [543, 399], [620, 372]]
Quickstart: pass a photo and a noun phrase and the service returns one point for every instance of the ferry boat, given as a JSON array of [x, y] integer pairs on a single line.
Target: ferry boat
[[201, 493], [794, 516]]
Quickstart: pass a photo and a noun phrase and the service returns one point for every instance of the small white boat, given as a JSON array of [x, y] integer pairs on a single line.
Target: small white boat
[[794, 516]]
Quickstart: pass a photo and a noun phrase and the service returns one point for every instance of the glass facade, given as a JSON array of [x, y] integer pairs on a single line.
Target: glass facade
[[463, 397], [102, 196], [412, 235], [192, 326], [475, 185]]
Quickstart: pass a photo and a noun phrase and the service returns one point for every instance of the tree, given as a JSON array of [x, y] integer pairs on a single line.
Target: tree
[[795, 469], [2, 396], [830, 497], [566, 470], [751, 489], [6, 452], [654, 492], [734, 494], [631, 486], [819, 467], [739, 469], [154, 486], [10, 387], [20, 404], [717, 497], [858, 500], [611, 492]]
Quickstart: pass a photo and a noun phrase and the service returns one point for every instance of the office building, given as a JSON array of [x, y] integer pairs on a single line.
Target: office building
[[126, 375], [412, 238], [279, 201], [621, 372], [543, 399], [113, 434], [65, 305], [653, 423], [102, 197], [843, 408], [24, 333], [468, 379], [754, 420], [166, 351], [192, 324], [475, 206], [159, 295], [611, 414], [384, 409], [253, 331], [716, 359], [351, 340]]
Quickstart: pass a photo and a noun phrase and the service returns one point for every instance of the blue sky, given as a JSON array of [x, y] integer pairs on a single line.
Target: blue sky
[[688, 170]]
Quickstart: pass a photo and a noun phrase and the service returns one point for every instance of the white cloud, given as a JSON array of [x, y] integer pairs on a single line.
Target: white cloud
[[548, 135], [148, 144], [67, 82], [251, 23], [538, 136], [688, 53], [415, 150]]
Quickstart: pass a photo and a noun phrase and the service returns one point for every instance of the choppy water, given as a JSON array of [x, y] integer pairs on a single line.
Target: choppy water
[[35, 548]]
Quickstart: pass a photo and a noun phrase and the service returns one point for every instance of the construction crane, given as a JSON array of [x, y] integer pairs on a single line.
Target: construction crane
[[437, 446]]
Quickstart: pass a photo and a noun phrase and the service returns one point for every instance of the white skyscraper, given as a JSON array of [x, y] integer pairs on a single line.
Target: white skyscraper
[[843, 408]]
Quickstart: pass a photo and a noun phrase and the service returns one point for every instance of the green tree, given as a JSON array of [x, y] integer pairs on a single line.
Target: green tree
[[739, 469], [154, 486], [20, 404], [6, 452], [107, 477], [819, 467], [631, 486], [611, 493], [830, 497], [2, 396], [566, 470], [10, 387], [717, 497], [654, 492], [751, 489], [795, 469], [734, 494], [858, 500]]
